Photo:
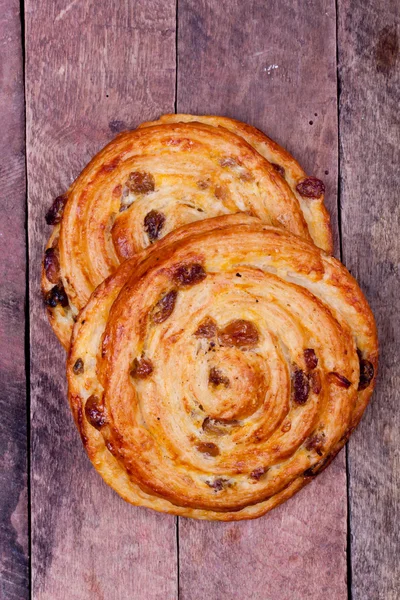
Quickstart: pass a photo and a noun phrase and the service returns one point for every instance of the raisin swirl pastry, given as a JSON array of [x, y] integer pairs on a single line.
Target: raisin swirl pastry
[[309, 191], [148, 182], [216, 374]]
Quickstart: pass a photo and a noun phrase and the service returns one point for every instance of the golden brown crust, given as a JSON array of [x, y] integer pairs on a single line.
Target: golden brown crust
[[150, 181], [216, 374], [314, 210]]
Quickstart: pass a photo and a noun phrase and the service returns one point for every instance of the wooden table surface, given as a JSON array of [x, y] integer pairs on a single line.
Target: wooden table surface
[[319, 76]]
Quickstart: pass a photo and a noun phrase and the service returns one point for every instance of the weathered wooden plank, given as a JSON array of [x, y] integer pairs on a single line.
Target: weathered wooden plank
[[14, 543], [369, 69], [92, 69], [273, 65]]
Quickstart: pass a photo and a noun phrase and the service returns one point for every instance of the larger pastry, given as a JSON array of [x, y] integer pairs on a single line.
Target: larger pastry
[[220, 356]]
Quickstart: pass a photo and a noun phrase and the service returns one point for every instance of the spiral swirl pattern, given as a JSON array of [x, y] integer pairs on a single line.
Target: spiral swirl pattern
[[309, 191], [164, 175], [216, 374]]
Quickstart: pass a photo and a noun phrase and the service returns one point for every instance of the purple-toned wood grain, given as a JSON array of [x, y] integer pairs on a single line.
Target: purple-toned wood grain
[[369, 69], [92, 69], [273, 65], [294, 552], [14, 543]]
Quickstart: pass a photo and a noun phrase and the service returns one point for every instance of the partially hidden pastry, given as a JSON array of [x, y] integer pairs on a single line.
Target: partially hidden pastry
[[148, 182], [309, 191], [217, 373]]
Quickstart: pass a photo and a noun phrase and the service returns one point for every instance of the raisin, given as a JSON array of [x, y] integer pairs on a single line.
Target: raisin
[[301, 386], [316, 442], [55, 212], [366, 373], [51, 265], [189, 274], [339, 380], [56, 296], [207, 329], [94, 412], [164, 307], [140, 182], [279, 168], [311, 187], [211, 426], [153, 224], [310, 358], [218, 427], [78, 367], [240, 334], [258, 473], [315, 382], [216, 378], [207, 448], [218, 484], [141, 368]]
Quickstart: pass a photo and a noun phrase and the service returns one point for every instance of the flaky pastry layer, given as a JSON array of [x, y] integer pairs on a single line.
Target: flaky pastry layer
[[215, 374], [166, 174]]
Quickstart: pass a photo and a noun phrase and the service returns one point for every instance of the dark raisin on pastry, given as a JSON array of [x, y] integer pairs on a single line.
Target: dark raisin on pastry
[[164, 307], [311, 187], [141, 368], [153, 224]]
